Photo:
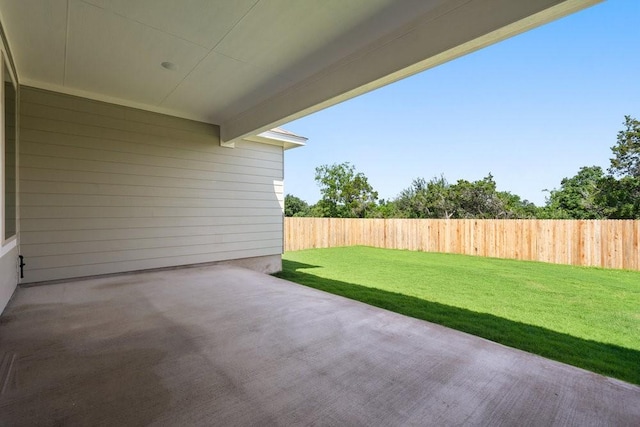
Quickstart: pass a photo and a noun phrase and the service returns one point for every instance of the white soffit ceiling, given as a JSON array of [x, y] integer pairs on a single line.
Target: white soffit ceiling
[[249, 65]]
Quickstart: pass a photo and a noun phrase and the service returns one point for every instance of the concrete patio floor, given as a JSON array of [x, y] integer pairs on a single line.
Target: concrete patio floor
[[222, 345]]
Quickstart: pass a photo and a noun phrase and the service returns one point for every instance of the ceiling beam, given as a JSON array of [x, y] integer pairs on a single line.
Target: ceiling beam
[[449, 31]]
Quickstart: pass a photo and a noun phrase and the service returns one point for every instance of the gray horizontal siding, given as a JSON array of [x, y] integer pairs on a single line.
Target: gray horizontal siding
[[108, 189], [71, 236], [44, 224], [175, 259]]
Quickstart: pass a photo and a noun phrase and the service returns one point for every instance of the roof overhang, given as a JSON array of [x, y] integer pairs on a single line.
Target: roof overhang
[[277, 136], [250, 65]]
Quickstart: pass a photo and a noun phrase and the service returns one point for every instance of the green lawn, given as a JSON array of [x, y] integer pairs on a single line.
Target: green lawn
[[586, 317]]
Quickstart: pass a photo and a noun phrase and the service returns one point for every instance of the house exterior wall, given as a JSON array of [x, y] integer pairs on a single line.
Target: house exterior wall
[[107, 189], [8, 274]]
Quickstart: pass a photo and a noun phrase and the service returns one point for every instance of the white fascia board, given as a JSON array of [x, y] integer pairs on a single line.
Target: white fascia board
[[284, 140], [445, 33]]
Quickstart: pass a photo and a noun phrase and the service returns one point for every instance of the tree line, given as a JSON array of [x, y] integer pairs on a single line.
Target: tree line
[[590, 194]]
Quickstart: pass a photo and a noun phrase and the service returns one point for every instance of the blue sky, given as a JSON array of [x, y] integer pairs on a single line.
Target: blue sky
[[531, 110]]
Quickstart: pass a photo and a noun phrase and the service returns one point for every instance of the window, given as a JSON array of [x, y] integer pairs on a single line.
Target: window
[[10, 163]]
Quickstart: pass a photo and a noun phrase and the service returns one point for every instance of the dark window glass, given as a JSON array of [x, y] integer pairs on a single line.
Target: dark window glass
[[9, 156]]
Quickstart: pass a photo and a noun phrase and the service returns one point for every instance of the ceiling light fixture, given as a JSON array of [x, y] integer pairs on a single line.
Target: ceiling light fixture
[[169, 66]]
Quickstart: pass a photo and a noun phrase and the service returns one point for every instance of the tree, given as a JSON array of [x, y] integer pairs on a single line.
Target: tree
[[478, 199], [464, 199], [515, 207], [294, 206], [345, 192], [627, 150], [578, 196], [592, 195], [385, 209], [620, 199], [424, 199]]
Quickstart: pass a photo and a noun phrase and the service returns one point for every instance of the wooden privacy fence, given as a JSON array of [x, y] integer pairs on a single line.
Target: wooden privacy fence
[[600, 243]]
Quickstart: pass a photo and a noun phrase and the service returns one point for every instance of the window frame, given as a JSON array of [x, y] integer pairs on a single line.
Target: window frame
[[6, 66]]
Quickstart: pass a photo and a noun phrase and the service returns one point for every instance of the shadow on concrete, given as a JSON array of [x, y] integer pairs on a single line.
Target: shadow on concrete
[[607, 359]]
